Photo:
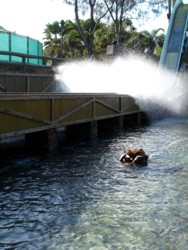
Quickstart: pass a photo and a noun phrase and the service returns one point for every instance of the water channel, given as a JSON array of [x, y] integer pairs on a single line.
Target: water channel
[[83, 197]]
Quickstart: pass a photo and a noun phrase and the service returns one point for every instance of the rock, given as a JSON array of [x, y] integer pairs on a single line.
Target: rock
[[137, 156]]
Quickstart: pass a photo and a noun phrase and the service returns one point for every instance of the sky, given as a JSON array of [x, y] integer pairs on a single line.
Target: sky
[[29, 17]]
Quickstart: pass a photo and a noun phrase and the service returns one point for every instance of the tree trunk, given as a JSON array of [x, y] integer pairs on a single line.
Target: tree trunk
[[88, 44]]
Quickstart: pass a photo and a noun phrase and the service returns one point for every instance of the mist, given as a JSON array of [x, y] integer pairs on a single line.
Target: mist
[[157, 91]]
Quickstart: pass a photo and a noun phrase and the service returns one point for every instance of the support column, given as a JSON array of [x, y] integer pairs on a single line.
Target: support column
[[83, 131], [137, 119], [94, 129], [111, 124], [121, 122], [41, 141], [131, 120], [144, 119]]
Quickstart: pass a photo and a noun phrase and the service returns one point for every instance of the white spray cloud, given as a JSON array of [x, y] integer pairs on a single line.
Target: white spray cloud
[[152, 88]]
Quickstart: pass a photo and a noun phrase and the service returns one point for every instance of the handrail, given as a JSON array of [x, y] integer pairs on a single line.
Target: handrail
[[182, 44], [25, 56]]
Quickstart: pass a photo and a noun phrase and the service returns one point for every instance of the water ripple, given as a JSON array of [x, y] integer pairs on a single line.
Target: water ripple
[[92, 201]]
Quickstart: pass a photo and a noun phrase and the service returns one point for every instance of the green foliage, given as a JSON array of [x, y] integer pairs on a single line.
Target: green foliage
[[116, 12], [52, 39], [69, 44]]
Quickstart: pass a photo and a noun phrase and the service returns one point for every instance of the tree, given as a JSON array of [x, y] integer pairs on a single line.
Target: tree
[[103, 36], [53, 39], [120, 10], [133, 42], [73, 44], [96, 13], [62, 39], [153, 41]]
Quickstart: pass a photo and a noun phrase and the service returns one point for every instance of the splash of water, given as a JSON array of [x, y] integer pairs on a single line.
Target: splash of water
[[154, 90]]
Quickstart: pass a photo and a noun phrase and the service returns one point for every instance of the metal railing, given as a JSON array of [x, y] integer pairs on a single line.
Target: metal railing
[[46, 60]]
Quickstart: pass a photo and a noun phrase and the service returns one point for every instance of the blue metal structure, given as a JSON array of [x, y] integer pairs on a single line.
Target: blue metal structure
[[12, 42], [174, 55]]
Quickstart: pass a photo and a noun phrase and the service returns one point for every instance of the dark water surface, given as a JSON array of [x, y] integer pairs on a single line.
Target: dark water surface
[[82, 197]]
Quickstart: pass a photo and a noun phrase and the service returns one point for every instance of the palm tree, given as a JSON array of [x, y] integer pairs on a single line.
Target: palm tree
[[63, 41], [53, 39], [153, 40], [73, 44]]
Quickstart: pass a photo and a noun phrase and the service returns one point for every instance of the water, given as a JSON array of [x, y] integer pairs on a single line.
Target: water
[[154, 89], [82, 196]]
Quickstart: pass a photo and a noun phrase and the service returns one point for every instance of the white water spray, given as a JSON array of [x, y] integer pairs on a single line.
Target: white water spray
[[154, 90]]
